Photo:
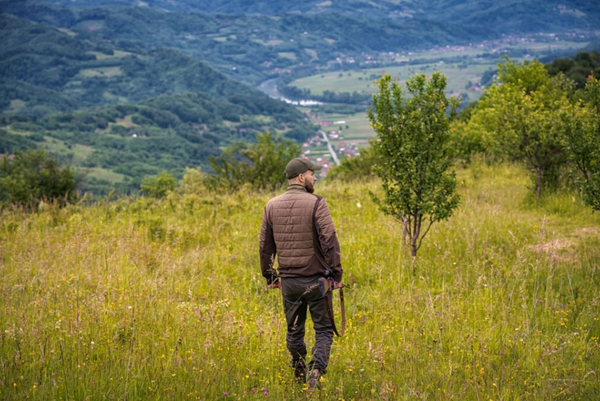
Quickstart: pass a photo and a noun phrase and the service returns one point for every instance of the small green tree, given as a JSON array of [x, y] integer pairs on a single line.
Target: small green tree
[[158, 186], [414, 156], [26, 178], [583, 141], [261, 165], [193, 181]]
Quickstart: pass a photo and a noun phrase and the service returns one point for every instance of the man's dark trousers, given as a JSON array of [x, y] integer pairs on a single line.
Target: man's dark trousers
[[296, 301]]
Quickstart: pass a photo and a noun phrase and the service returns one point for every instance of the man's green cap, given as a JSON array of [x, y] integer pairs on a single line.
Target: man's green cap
[[298, 166]]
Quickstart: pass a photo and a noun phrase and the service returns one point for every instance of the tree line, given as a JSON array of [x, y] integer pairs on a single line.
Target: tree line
[[528, 116]]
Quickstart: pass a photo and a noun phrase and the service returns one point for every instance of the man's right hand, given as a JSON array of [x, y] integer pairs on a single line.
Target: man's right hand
[[275, 285], [337, 285]]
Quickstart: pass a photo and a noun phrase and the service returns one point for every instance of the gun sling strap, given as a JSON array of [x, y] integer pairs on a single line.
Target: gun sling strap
[[326, 288]]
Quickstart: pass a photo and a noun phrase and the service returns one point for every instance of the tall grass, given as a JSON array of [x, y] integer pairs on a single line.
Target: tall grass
[[163, 299]]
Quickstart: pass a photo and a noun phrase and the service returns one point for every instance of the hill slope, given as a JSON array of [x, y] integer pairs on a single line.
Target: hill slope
[[250, 48], [502, 302], [509, 17], [119, 116], [83, 73], [115, 146]]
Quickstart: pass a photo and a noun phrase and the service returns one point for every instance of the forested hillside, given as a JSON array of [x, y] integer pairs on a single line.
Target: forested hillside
[[122, 89], [252, 41], [119, 116], [511, 17], [62, 71], [252, 48]]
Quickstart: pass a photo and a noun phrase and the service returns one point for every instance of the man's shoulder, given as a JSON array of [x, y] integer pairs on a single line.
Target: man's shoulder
[[276, 199], [292, 196]]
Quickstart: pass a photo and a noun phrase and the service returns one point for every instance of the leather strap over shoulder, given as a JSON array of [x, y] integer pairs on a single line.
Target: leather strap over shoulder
[[316, 243]]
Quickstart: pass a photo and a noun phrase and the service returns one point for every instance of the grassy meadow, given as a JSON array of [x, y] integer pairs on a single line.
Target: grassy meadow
[[163, 299]]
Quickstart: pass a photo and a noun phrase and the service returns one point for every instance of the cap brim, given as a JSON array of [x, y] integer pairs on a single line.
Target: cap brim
[[316, 167]]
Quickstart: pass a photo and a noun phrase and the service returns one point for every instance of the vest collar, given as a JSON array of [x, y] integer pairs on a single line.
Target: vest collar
[[296, 187]]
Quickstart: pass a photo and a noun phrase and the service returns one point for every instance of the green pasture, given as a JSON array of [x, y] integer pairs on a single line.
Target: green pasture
[[114, 98], [347, 81], [92, 25], [441, 53], [67, 31], [312, 53], [457, 77], [163, 299], [77, 153], [101, 174], [458, 73], [492, 47], [272, 42], [358, 125], [81, 153], [17, 105], [100, 72], [288, 55], [103, 56], [54, 145], [319, 151], [557, 45]]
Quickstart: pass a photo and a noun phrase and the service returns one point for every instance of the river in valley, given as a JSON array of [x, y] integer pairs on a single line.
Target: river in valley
[[269, 87]]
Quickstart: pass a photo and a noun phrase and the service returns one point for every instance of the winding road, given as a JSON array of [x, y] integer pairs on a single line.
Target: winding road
[[270, 88], [330, 147]]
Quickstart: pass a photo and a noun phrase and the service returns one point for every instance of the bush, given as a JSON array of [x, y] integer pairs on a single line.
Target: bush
[[26, 178], [261, 165], [193, 182], [158, 186]]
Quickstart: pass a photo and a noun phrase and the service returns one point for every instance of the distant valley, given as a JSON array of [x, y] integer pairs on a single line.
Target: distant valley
[[123, 89]]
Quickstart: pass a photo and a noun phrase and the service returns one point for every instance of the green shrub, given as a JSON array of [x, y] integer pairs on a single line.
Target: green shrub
[[26, 178], [158, 186]]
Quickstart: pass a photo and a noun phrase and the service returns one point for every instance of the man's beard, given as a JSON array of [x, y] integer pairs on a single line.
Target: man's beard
[[310, 188]]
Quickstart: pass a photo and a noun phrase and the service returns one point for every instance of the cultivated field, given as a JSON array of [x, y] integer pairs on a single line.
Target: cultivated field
[[458, 75], [463, 68], [163, 299]]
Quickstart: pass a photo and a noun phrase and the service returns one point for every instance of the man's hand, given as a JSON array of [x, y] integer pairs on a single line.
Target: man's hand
[[337, 285], [275, 285]]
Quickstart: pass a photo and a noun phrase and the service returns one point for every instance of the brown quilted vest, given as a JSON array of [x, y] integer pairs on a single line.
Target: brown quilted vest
[[303, 248]]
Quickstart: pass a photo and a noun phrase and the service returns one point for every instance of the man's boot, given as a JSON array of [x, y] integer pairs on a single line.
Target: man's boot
[[314, 380], [300, 371]]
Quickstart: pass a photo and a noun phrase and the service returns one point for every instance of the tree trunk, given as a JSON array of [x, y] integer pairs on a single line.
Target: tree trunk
[[405, 230], [415, 237], [413, 248], [538, 184]]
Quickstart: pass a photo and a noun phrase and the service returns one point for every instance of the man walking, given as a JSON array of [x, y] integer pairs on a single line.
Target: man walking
[[297, 227]]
